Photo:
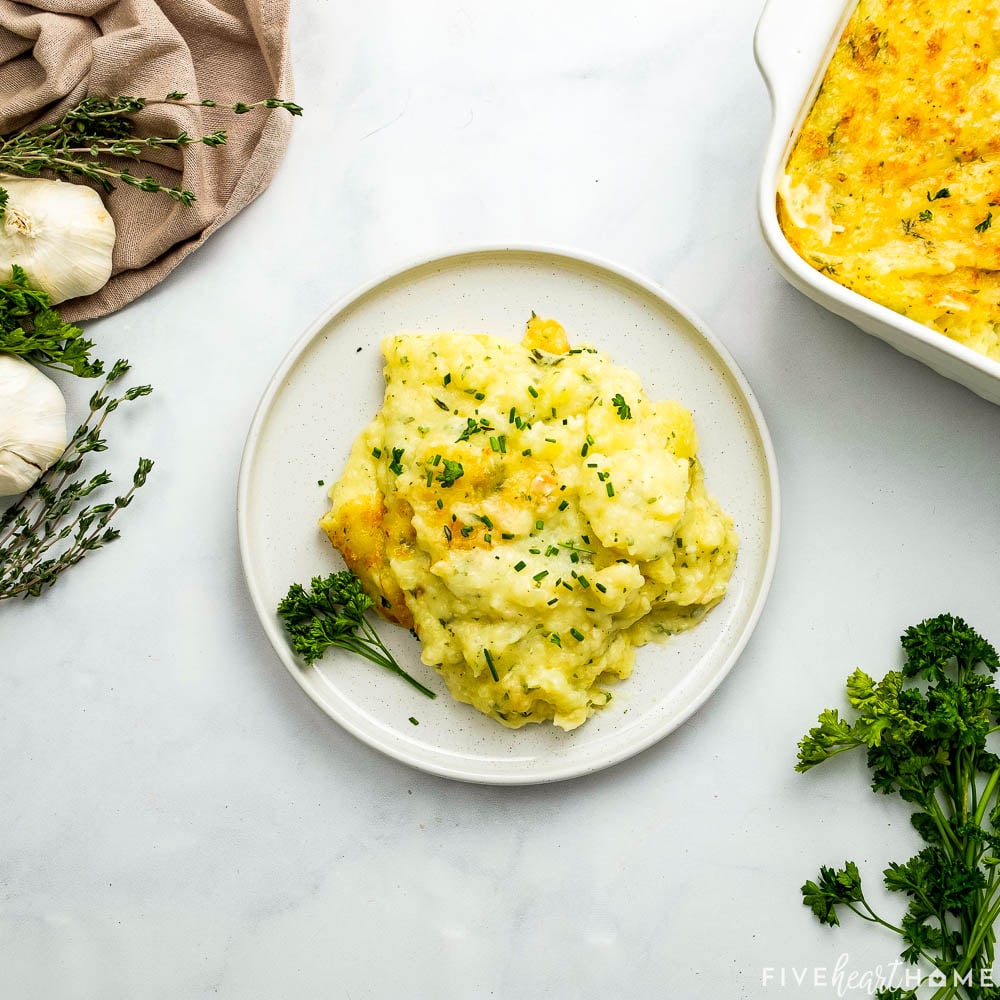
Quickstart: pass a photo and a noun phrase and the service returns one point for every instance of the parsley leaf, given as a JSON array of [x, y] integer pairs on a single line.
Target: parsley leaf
[[33, 330], [624, 410], [451, 473]]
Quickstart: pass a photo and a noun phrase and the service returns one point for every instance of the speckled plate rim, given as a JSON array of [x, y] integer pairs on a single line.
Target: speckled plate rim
[[483, 769]]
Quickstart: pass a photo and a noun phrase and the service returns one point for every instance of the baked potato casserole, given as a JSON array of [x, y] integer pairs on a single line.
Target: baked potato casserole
[[892, 187]]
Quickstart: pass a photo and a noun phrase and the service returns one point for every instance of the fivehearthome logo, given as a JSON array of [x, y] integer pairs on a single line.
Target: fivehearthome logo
[[844, 980]]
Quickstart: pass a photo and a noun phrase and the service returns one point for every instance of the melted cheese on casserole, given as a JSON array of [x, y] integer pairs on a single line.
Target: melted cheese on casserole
[[893, 186], [531, 515]]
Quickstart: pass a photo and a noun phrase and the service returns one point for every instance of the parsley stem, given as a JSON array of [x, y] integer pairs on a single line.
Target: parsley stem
[[386, 659], [988, 792]]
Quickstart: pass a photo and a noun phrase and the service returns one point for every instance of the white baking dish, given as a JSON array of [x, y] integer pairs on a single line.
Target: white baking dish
[[793, 45]]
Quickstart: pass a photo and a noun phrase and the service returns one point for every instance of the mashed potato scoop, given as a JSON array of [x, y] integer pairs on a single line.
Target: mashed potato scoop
[[531, 515]]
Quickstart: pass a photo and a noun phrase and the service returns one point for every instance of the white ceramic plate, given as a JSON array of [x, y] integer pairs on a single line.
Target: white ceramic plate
[[793, 45], [330, 385]]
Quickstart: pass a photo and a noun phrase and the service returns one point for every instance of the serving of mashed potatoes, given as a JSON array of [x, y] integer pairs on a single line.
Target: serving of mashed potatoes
[[531, 515], [893, 185]]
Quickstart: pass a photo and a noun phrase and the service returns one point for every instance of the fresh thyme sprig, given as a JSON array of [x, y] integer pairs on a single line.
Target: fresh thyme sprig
[[52, 527], [98, 128]]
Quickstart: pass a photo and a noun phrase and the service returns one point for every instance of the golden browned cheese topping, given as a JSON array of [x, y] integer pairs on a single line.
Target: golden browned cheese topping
[[893, 186], [532, 515]]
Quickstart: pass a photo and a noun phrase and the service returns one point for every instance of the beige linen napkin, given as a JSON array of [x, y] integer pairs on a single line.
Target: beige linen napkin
[[53, 53]]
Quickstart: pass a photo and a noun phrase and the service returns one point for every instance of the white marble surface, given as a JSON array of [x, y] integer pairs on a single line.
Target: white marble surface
[[180, 821]]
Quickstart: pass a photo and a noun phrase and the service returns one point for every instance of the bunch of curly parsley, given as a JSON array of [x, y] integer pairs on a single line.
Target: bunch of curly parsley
[[925, 730]]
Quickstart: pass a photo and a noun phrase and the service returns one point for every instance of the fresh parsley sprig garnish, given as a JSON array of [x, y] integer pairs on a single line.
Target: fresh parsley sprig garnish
[[53, 526], [33, 330], [925, 730], [331, 615]]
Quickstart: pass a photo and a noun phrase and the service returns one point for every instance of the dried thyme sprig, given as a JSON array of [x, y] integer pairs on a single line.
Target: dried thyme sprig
[[100, 127], [47, 530]]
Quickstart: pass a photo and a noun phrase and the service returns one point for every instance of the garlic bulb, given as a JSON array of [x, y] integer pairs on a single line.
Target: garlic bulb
[[60, 233], [32, 424]]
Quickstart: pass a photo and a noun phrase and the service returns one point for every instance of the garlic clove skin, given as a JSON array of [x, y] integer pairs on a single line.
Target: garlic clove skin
[[32, 424], [60, 233]]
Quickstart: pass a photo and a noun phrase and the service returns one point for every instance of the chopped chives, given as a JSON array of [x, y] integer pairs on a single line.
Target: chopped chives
[[601, 588], [526, 452], [506, 535], [447, 532], [490, 664], [519, 566], [495, 443], [440, 404], [376, 452], [576, 634], [447, 378], [503, 444], [538, 577], [610, 488], [583, 581], [532, 391], [554, 637], [564, 505], [539, 525]]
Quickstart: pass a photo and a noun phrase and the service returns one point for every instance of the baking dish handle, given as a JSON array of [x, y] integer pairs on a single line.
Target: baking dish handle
[[791, 45]]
